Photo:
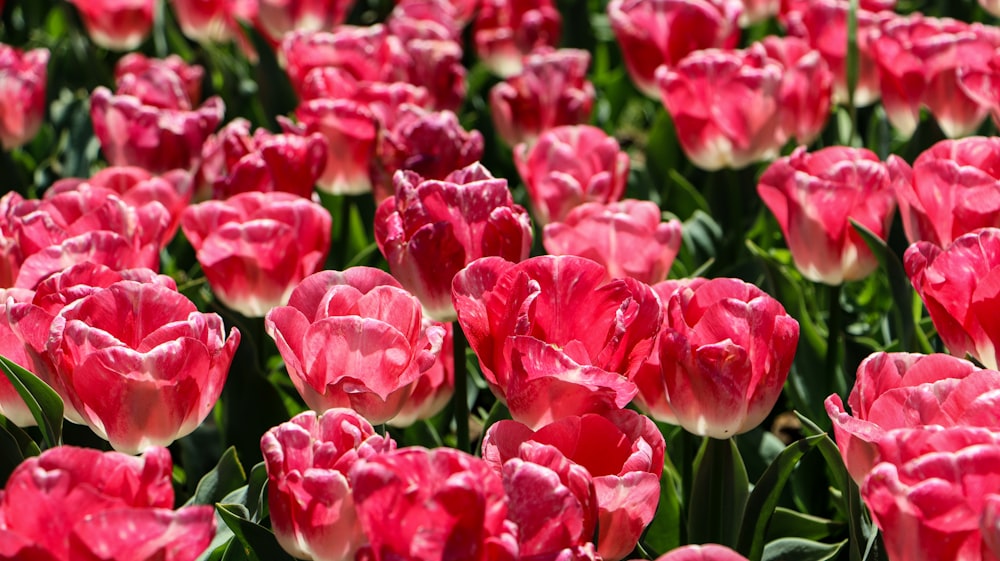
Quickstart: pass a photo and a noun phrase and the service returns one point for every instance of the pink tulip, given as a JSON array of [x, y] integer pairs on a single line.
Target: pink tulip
[[627, 237], [145, 382], [555, 336], [823, 23], [506, 30], [622, 451], [81, 504], [168, 83], [256, 247], [708, 552], [424, 19], [960, 286], [23, 78], [119, 25], [435, 386], [757, 11], [12, 405], [234, 161], [364, 53], [277, 18], [432, 229], [902, 390], [918, 58], [928, 504], [440, 504], [658, 32], [551, 90], [725, 352], [806, 87], [354, 339], [952, 189], [569, 166], [309, 494], [726, 106], [213, 21], [814, 196]]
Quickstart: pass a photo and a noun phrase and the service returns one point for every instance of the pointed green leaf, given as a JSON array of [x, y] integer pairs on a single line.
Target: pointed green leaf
[[788, 523], [664, 532], [899, 284], [44, 403], [227, 476], [798, 549], [257, 541]]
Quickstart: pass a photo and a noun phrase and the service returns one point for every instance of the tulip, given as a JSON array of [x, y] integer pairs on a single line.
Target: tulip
[[309, 494], [757, 11], [707, 552], [256, 247], [569, 166], [623, 452], [168, 83], [213, 21], [506, 30], [364, 53], [118, 25], [725, 352], [902, 390], [929, 505], [725, 107], [440, 504], [76, 503], [354, 339], [555, 336], [658, 32], [981, 83], [814, 196], [952, 189], [552, 90], [435, 386], [234, 161], [432, 229], [427, 32], [145, 382], [918, 58], [823, 23], [12, 405], [627, 237], [960, 286], [806, 87], [23, 78], [277, 18], [424, 19]]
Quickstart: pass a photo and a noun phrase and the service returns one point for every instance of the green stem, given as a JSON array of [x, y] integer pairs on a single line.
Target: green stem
[[460, 399], [719, 494], [834, 339]]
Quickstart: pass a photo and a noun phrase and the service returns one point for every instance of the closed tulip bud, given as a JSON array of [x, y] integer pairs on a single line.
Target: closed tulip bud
[[23, 78], [663, 32], [725, 352], [814, 196]]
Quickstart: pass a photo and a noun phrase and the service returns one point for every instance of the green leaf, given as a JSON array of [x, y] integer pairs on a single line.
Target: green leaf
[[899, 284], [798, 549], [227, 476], [786, 523], [11, 454], [764, 498], [718, 495], [257, 541], [664, 532], [44, 403]]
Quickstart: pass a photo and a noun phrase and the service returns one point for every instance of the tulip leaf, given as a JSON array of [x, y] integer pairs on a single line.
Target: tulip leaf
[[11, 451], [44, 403], [718, 494], [792, 523], [764, 498], [664, 532], [798, 549], [899, 284], [259, 542], [227, 476], [257, 492]]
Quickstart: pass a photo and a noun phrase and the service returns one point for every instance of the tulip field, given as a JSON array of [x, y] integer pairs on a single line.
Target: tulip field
[[500, 280]]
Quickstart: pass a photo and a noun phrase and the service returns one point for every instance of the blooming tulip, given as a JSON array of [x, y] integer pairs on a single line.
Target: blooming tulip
[[213, 21], [725, 106], [363, 53], [234, 161], [276, 18], [662, 32], [725, 352], [552, 90], [145, 382], [354, 339], [627, 237], [622, 451], [506, 30], [902, 390], [23, 78], [814, 196], [309, 494], [569, 166], [806, 87], [918, 58], [960, 286], [952, 189], [77, 503], [119, 25], [256, 247], [554, 335], [432, 229], [168, 83]]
